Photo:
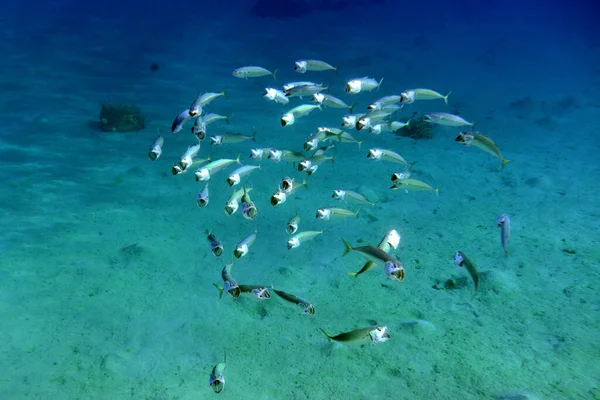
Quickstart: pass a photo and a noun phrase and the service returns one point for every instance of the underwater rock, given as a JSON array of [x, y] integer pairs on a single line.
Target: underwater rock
[[417, 129], [121, 118]]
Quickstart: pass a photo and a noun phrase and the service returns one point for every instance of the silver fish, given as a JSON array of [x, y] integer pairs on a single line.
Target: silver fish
[[217, 378], [203, 197], [252, 72], [180, 120], [216, 247], [244, 246], [156, 148], [504, 224]]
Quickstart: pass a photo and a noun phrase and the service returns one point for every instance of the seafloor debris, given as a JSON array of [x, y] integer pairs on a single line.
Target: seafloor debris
[[121, 118]]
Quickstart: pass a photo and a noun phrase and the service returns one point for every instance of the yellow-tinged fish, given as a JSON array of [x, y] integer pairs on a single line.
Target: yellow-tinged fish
[[187, 159], [204, 173], [350, 195], [447, 119], [236, 176], [216, 247], [503, 223], [301, 237], [249, 210], [259, 154], [285, 155], [301, 66], [305, 305], [217, 378], [243, 247], [302, 110], [275, 95], [292, 225], [260, 292], [280, 196], [376, 334], [335, 212], [253, 71], [331, 101], [232, 138], [409, 96], [364, 84], [203, 100], [156, 148], [414, 184], [393, 271], [373, 253], [232, 204], [305, 90], [461, 260], [482, 142], [376, 154], [229, 283]]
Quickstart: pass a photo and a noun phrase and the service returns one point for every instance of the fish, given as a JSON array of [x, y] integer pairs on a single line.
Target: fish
[[331, 101], [253, 71], [504, 225], [401, 175], [482, 142], [461, 260], [292, 225], [216, 247], [414, 184], [290, 85], [203, 100], [373, 118], [384, 101], [286, 185], [217, 378], [366, 84], [243, 247], [317, 158], [212, 117], [276, 95], [236, 176], [391, 239], [305, 305], [377, 154], [447, 119], [156, 148], [249, 210], [259, 154], [285, 155], [305, 90], [203, 197], [232, 204], [409, 96], [260, 292], [204, 173], [355, 197], [373, 253], [180, 120], [299, 238], [376, 334], [334, 212], [301, 66], [302, 110], [349, 120], [280, 196], [187, 158], [199, 128], [231, 138], [229, 283]]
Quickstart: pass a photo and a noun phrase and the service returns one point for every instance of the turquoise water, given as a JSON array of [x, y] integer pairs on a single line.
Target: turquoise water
[[106, 273]]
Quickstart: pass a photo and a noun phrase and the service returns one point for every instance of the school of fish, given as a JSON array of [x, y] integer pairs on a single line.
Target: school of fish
[[378, 118]]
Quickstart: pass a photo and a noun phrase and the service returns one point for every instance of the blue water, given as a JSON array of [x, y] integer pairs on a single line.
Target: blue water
[[106, 275]]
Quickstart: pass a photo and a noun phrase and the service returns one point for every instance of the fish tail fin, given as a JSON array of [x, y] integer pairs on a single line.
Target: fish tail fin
[[326, 334], [359, 143], [336, 69], [227, 117], [305, 184], [253, 137], [275, 75], [351, 108], [237, 160], [220, 289], [437, 191], [353, 274], [379, 84], [446, 97], [359, 210], [347, 248], [224, 92], [504, 161]]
